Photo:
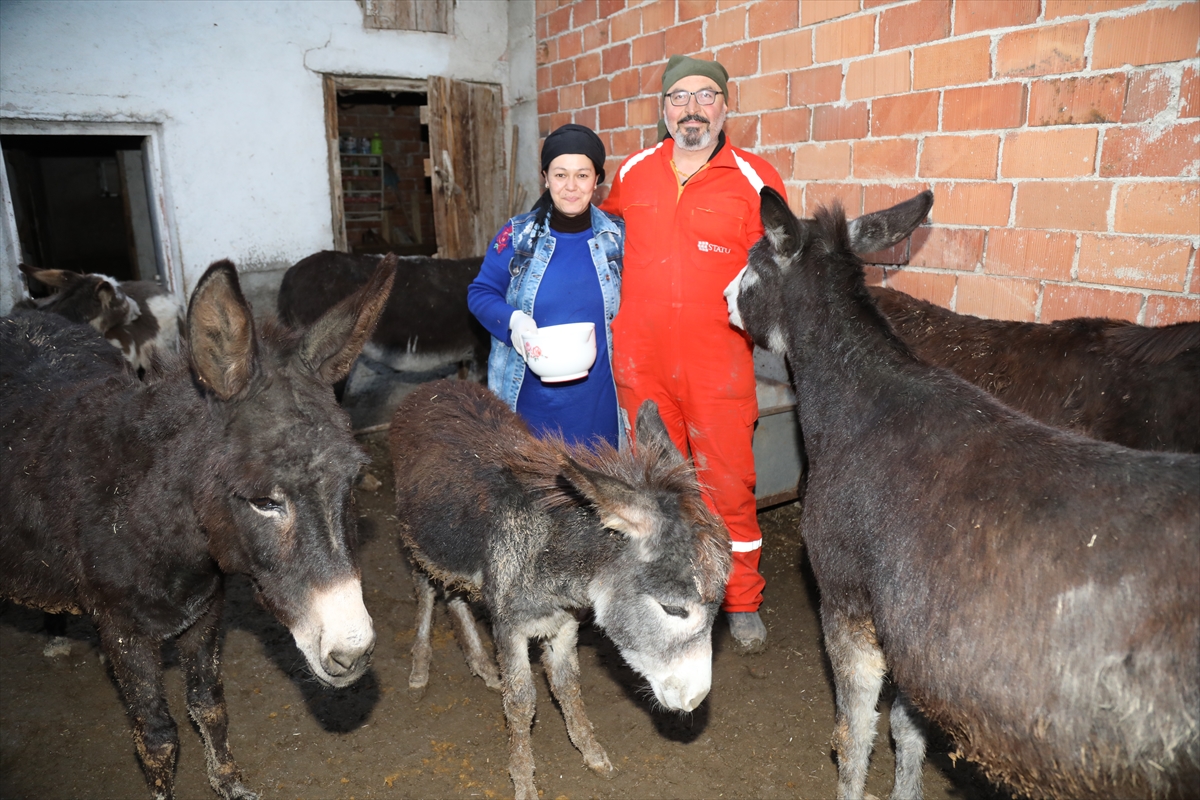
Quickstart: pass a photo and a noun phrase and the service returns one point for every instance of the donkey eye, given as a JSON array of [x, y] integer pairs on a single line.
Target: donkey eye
[[675, 611], [266, 505]]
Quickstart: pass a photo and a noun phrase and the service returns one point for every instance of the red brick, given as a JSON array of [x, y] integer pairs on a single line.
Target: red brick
[[1064, 205], [686, 38], [960, 157], [780, 158], [785, 127], [814, 11], [909, 113], [933, 287], [878, 196], [915, 23], [557, 120], [1135, 261], [642, 111], [1166, 310], [616, 58], [767, 92], [1030, 253], [694, 9], [885, 158], [1049, 153], [584, 12], [742, 60], [834, 41], [595, 36], [1152, 37], [773, 16], [1172, 152], [972, 203], [839, 122], [626, 142], [570, 44], [1076, 8], [612, 115], [984, 107], [587, 117], [543, 78], [650, 76], [570, 97], [625, 25], [649, 48], [822, 162], [996, 298], [816, 85], [952, 63], [1167, 207], [1148, 96], [559, 21], [1074, 101], [742, 130], [817, 195], [562, 73], [587, 67], [609, 7], [873, 275], [946, 248], [544, 7], [787, 52], [595, 92], [1043, 50], [547, 102], [1068, 302], [625, 84], [1189, 93], [658, 15], [979, 15], [881, 75], [728, 26]]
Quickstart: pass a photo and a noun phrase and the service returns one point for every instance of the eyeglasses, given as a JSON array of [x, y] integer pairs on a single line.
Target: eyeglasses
[[705, 97]]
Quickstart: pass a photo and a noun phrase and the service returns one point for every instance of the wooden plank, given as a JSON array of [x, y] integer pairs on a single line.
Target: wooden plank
[[329, 86], [433, 16], [466, 145]]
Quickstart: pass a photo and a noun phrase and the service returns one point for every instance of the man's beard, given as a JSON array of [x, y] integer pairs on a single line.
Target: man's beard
[[700, 139]]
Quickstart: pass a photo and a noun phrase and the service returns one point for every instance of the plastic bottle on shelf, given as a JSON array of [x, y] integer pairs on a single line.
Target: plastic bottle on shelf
[[376, 145]]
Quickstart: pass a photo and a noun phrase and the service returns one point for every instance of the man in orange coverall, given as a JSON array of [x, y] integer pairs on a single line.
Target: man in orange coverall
[[690, 205]]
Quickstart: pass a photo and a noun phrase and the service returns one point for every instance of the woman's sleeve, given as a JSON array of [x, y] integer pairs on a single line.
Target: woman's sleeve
[[485, 295]]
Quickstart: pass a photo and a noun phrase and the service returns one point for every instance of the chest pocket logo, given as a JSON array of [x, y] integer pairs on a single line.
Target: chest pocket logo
[[709, 247]]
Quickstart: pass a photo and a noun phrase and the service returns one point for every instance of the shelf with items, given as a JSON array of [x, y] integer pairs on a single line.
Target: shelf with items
[[362, 187]]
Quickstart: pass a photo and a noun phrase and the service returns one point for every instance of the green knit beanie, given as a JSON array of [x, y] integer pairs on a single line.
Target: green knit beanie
[[683, 66]]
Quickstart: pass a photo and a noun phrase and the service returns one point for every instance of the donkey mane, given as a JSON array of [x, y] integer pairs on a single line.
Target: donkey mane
[[1154, 345]]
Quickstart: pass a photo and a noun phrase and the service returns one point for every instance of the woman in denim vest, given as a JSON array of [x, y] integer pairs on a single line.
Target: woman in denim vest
[[558, 263]]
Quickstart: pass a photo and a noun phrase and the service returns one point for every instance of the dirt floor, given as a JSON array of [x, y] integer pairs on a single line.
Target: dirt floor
[[763, 732]]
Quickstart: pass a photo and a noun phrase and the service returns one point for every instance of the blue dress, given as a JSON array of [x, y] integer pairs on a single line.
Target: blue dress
[[569, 292]]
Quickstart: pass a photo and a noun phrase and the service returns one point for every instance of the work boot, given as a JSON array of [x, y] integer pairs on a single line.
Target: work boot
[[749, 633]]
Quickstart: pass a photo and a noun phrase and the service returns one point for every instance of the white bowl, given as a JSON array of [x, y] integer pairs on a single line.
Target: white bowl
[[559, 353]]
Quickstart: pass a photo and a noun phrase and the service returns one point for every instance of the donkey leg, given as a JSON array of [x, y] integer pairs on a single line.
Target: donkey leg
[[909, 736], [561, 659], [858, 670], [520, 699], [200, 661], [137, 667], [468, 636], [422, 650]]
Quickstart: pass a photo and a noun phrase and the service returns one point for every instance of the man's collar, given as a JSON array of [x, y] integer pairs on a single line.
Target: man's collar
[[713, 154]]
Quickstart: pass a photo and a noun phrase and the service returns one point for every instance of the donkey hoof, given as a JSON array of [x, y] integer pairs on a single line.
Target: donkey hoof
[[603, 767], [494, 684], [416, 692]]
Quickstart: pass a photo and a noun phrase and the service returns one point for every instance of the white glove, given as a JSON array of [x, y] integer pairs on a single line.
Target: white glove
[[521, 325]]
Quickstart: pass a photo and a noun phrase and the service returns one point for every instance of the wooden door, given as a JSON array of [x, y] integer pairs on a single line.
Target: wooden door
[[466, 147]]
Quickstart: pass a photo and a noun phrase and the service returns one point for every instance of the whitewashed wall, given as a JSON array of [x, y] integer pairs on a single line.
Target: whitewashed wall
[[231, 92]]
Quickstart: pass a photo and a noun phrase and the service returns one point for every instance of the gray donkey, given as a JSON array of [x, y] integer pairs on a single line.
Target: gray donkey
[[131, 501], [538, 530]]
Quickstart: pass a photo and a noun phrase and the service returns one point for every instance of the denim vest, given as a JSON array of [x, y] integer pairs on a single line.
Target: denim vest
[[506, 367]]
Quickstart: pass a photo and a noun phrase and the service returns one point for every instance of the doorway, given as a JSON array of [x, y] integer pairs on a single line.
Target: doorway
[[81, 203], [417, 166]]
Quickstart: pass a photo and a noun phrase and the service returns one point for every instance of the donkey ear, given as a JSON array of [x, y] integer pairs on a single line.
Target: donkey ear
[[779, 223], [622, 508], [333, 342], [220, 333], [651, 432], [872, 232], [56, 278]]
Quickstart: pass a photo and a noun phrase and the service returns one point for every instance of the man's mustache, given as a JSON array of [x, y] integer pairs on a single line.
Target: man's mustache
[[693, 118]]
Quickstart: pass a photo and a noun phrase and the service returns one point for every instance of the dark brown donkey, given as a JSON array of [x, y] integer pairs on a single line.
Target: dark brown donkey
[[1033, 592], [540, 530], [130, 501]]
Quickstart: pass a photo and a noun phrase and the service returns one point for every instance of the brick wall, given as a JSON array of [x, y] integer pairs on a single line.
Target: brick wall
[[1061, 138]]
